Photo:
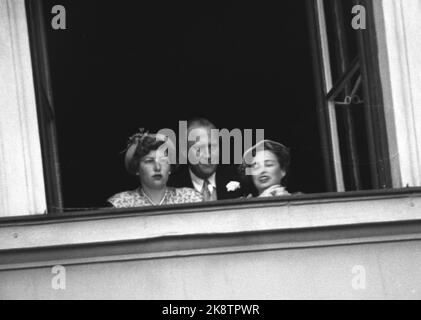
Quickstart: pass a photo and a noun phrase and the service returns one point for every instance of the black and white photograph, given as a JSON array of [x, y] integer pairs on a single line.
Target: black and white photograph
[[210, 150]]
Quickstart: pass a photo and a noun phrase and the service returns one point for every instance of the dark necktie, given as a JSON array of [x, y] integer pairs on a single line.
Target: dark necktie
[[207, 195]]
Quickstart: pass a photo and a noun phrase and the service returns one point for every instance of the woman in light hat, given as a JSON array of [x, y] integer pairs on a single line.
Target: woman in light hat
[[148, 157], [265, 168]]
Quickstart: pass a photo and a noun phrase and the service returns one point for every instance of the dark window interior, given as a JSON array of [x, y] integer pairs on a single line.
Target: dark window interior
[[122, 65]]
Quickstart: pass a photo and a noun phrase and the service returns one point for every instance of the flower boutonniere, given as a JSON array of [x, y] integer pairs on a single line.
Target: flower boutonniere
[[232, 186]]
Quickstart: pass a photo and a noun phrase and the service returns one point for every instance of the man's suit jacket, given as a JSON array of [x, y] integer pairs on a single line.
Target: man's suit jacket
[[181, 178]]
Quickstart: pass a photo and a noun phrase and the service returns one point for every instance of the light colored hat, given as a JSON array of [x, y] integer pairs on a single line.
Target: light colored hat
[[260, 146], [139, 140], [282, 154]]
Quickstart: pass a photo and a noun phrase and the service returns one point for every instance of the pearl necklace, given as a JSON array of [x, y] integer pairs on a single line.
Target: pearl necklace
[[151, 201]]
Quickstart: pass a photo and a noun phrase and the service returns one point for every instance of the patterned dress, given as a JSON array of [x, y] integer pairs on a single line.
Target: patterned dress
[[137, 198]]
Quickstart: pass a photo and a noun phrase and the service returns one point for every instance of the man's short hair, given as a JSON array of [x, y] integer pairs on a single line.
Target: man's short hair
[[200, 122]]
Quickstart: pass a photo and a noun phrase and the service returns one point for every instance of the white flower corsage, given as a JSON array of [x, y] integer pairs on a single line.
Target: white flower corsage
[[232, 186]]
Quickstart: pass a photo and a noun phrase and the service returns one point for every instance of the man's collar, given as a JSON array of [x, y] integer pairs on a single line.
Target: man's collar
[[198, 182]]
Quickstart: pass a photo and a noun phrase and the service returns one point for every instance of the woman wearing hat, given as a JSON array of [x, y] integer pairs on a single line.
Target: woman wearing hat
[[265, 169], [148, 157]]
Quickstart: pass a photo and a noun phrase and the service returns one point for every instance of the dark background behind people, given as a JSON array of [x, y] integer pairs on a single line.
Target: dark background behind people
[[121, 65]]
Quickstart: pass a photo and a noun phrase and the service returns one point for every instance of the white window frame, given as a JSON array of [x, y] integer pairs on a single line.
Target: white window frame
[[398, 24], [334, 135], [22, 189]]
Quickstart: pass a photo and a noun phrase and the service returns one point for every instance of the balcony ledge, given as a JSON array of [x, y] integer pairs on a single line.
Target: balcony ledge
[[218, 218]]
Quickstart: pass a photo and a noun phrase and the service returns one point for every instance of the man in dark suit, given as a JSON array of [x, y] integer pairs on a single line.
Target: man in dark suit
[[203, 172]]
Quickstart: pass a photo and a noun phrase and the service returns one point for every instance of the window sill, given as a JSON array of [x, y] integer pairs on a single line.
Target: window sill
[[213, 219]]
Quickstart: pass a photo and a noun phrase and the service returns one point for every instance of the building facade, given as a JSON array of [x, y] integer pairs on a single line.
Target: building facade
[[344, 244]]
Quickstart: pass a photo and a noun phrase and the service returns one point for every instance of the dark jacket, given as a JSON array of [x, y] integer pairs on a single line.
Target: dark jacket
[[224, 174]]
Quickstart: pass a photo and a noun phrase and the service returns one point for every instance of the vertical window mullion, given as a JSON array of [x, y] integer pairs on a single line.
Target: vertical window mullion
[[329, 105], [374, 107], [342, 61]]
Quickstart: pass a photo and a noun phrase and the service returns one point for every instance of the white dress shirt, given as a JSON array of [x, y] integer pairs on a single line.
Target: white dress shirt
[[198, 183]]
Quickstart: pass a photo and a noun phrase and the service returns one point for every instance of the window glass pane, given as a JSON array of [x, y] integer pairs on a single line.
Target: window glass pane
[[350, 105]]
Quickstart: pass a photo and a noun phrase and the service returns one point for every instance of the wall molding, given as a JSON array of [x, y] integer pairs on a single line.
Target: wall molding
[[278, 216], [216, 244]]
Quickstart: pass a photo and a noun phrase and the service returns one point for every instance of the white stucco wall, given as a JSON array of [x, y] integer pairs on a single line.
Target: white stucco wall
[[367, 247], [388, 271], [398, 24]]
